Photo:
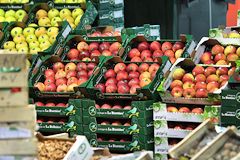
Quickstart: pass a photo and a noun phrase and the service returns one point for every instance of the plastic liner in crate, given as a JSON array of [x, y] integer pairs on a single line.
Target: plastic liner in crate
[[211, 97], [110, 4], [122, 144], [146, 92], [107, 17], [139, 109], [3, 26], [72, 41], [37, 75], [16, 12]]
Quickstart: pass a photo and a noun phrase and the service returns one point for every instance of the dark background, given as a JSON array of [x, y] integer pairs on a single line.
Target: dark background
[[176, 16]]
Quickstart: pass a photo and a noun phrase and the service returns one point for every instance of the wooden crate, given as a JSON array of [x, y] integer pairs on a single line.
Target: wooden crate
[[14, 79], [13, 60], [9, 98], [18, 114], [18, 147], [15, 130]]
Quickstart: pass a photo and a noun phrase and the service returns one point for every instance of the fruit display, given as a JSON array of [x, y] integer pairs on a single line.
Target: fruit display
[[195, 110], [14, 1], [104, 34], [30, 39], [14, 15], [228, 32], [69, 1], [76, 48], [47, 17]]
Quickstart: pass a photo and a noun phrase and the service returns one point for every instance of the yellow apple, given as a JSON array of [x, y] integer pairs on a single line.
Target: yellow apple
[[42, 38], [69, 19], [34, 50], [23, 50], [45, 45], [9, 45], [33, 44], [44, 22], [52, 39], [2, 19], [19, 38], [32, 25], [52, 31], [76, 12], [10, 13], [28, 31], [77, 20], [53, 13], [55, 20], [65, 12], [31, 38], [16, 31], [41, 13], [21, 44], [10, 19], [39, 31]]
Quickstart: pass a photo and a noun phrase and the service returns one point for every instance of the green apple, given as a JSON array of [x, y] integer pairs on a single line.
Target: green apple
[[52, 31], [10, 19], [19, 38], [41, 13], [42, 38], [45, 45], [9, 45], [44, 22], [34, 50], [2, 19], [32, 25], [31, 38], [2, 12], [23, 50], [10, 13], [16, 31], [69, 19], [20, 13], [29, 30], [65, 12], [76, 12], [53, 13], [52, 39], [33, 44], [55, 20], [21, 44], [39, 31], [77, 20]]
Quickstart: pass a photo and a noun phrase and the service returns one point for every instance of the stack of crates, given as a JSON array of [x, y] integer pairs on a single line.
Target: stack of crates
[[17, 120], [111, 12]]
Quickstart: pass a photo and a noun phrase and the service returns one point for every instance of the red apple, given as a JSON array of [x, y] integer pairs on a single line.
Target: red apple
[[232, 57], [177, 46], [71, 74], [222, 71], [184, 110], [155, 45], [122, 75], [223, 78], [223, 83], [93, 46], [50, 87], [157, 53], [60, 74], [210, 70], [136, 59], [145, 54], [212, 86], [153, 68], [172, 59], [95, 53], [110, 81], [39, 104], [82, 73], [119, 67], [70, 67], [49, 80], [132, 75], [62, 88], [143, 67], [231, 71], [106, 106], [127, 107], [106, 53], [201, 93], [143, 46], [116, 123], [197, 110], [229, 49], [133, 89], [73, 54], [217, 49], [82, 80], [198, 70], [188, 77], [148, 59], [144, 75], [206, 56], [166, 46], [219, 56], [111, 88], [210, 62], [117, 107], [176, 83], [177, 91], [169, 53], [114, 47], [97, 106], [134, 53], [61, 81], [110, 74], [72, 80], [188, 84], [127, 124], [178, 73], [123, 89], [105, 123], [101, 87], [189, 93], [134, 81], [172, 109], [90, 66], [211, 78], [81, 66], [122, 82], [58, 66], [200, 78], [104, 46], [132, 67], [82, 46], [49, 73], [61, 105], [200, 85]]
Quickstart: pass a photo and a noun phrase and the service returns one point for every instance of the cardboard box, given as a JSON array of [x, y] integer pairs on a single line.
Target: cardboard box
[[230, 96], [230, 114]]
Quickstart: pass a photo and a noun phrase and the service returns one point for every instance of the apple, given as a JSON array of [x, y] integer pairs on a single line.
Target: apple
[[127, 107], [49, 80], [200, 78], [189, 93], [177, 127], [136, 59], [41, 87], [106, 106], [221, 62], [143, 67], [111, 88], [134, 53], [110, 74], [50, 87], [72, 80], [81, 66], [221, 71], [148, 59], [177, 46], [206, 56], [223, 78], [169, 53], [144, 82], [178, 74], [223, 83], [71, 74], [117, 107], [61, 81], [133, 89], [49, 73], [210, 70], [97, 106], [238, 51], [76, 12], [82, 80], [213, 85], [231, 71], [123, 89], [119, 67], [211, 78], [201, 93], [110, 81], [62, 88], [50, 104], [188, 84], [145, 75], [155, 45], [133, 74], [178, 53], [39, 104], [134, 81], [172, 109], [86, 54], [61, 105], [104, 46], [116, 123], [176, 83], [114, 47], [200, 85], [106, 53], [229, 49], [197, 110], [166, 46], [198, 70], [157, 53], [58, 66], [232, 57], [132, 67], [70, 67], [143, 46], [91, 66], [177, 91], [188, 77], [101, 87], [60, 74], [105, 123], [219, 56], [82, 46], [184, 110], [217, 49], [73, 54], [153, 67], [145, 54]]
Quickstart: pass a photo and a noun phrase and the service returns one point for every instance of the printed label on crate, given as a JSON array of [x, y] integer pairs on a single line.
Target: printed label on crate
[[191, 47], [232, 96], [57, 110], [8, 132], [67, 127], [173, 133]]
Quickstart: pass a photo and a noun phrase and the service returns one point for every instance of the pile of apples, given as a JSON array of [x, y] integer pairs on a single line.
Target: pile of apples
[[12, 15], [51, 120], [86, 52], [115, 123], [181, 109], [148, 52], [14, 1], [105, 34], [199, 82], [50, 104], [69, 1], [63, 78], [108, 106], [31, 40], [112, 139], [182, 127], [125, 79], [53, 16], [220, 55]]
